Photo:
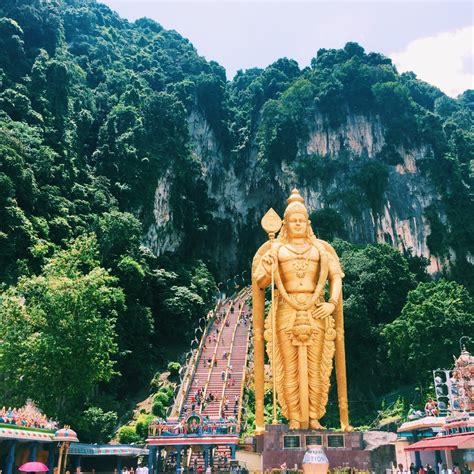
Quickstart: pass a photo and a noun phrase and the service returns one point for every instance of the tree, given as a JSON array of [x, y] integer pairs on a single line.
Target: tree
[[96, 426], [425, 336], [58, 332], [377, 281]]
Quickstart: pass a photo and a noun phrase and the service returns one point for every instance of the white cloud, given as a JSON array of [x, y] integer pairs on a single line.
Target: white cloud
[[442, 60]]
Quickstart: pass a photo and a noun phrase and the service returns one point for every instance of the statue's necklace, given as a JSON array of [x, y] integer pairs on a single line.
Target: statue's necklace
[[300, 264]]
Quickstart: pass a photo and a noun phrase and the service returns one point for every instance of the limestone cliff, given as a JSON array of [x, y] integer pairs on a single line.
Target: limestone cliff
[[241, 198]]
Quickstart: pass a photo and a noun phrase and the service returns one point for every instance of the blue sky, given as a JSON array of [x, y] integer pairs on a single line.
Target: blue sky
[[433, 39]]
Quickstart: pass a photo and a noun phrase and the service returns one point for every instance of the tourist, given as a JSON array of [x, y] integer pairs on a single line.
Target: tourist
[[446, 470], [400, 470], [429, 469], [412, 468], [223, 375], [431, 408], [456, 469]]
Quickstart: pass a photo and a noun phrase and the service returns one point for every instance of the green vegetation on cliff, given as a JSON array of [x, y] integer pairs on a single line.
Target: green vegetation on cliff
[[94, 117]]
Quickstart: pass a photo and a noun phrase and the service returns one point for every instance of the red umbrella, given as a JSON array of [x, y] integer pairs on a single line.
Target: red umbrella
[[33, 467]]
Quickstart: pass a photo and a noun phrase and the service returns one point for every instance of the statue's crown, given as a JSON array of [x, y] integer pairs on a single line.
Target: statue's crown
[[295, 204]]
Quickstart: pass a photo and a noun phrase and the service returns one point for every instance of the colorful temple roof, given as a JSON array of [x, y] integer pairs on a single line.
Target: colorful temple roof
[[25, 434]]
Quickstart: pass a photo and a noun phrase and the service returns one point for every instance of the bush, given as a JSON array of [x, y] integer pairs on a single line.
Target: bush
[[158, 409], [128, 435], [97, 426], [142, 425], [163, 397], [174, 367]]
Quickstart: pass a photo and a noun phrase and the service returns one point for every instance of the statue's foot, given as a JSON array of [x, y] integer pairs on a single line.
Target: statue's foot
[[346, 427], [315, 425], [294, 425]]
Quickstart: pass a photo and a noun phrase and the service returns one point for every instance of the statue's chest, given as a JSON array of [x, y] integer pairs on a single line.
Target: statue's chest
[[298, 261]]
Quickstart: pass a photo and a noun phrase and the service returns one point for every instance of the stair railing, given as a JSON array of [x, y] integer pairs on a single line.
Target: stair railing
[[191, 368], [244, 377]]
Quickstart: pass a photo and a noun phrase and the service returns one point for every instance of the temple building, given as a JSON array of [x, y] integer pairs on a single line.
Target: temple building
[[447, 436]]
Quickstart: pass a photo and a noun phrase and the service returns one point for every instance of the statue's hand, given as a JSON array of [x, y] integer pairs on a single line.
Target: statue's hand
[[267, 261], [323, 310]]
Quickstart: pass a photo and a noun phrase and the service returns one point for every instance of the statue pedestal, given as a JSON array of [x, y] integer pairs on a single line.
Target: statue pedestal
[[280, 445]]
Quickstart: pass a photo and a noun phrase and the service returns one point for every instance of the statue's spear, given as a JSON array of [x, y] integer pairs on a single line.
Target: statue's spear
[[271, 224]]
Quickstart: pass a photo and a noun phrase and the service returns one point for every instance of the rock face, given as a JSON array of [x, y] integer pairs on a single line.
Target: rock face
[[242, 194], [161, 235]]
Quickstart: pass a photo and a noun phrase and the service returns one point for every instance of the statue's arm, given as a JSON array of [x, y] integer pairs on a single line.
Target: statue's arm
[[335, 275], [335, 286], [263, 276]]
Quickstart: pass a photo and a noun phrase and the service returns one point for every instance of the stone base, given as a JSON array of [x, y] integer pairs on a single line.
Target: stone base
[[280, 445]]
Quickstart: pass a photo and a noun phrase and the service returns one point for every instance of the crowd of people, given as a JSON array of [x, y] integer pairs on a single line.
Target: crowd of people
[[226, 406], [28, 416], [198, 400], [138, 470], [429, 469]]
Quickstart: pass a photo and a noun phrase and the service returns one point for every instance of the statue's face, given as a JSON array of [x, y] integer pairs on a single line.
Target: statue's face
[[297, 225]]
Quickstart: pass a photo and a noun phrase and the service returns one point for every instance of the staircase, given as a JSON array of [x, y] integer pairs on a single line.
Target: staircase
[[215, 390], [213, 383]]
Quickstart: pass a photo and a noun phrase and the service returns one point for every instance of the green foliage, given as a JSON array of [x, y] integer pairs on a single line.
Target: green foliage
[[50, 322], [128, 435], [162, 400], [372, 178], [426, 334], [141, 426], [327, 224], [437, 238], [96, 425], [174, 367], [377, 281]]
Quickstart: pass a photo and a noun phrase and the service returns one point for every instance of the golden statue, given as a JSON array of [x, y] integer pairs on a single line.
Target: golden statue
[[308, 331]]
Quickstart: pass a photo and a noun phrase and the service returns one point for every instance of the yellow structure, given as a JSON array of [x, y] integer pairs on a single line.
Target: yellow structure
[[308, 331]]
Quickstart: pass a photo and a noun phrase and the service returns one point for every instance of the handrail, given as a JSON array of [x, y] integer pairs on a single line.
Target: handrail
[[242, 385], [191, 368], [204, 393], [229, 357]]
